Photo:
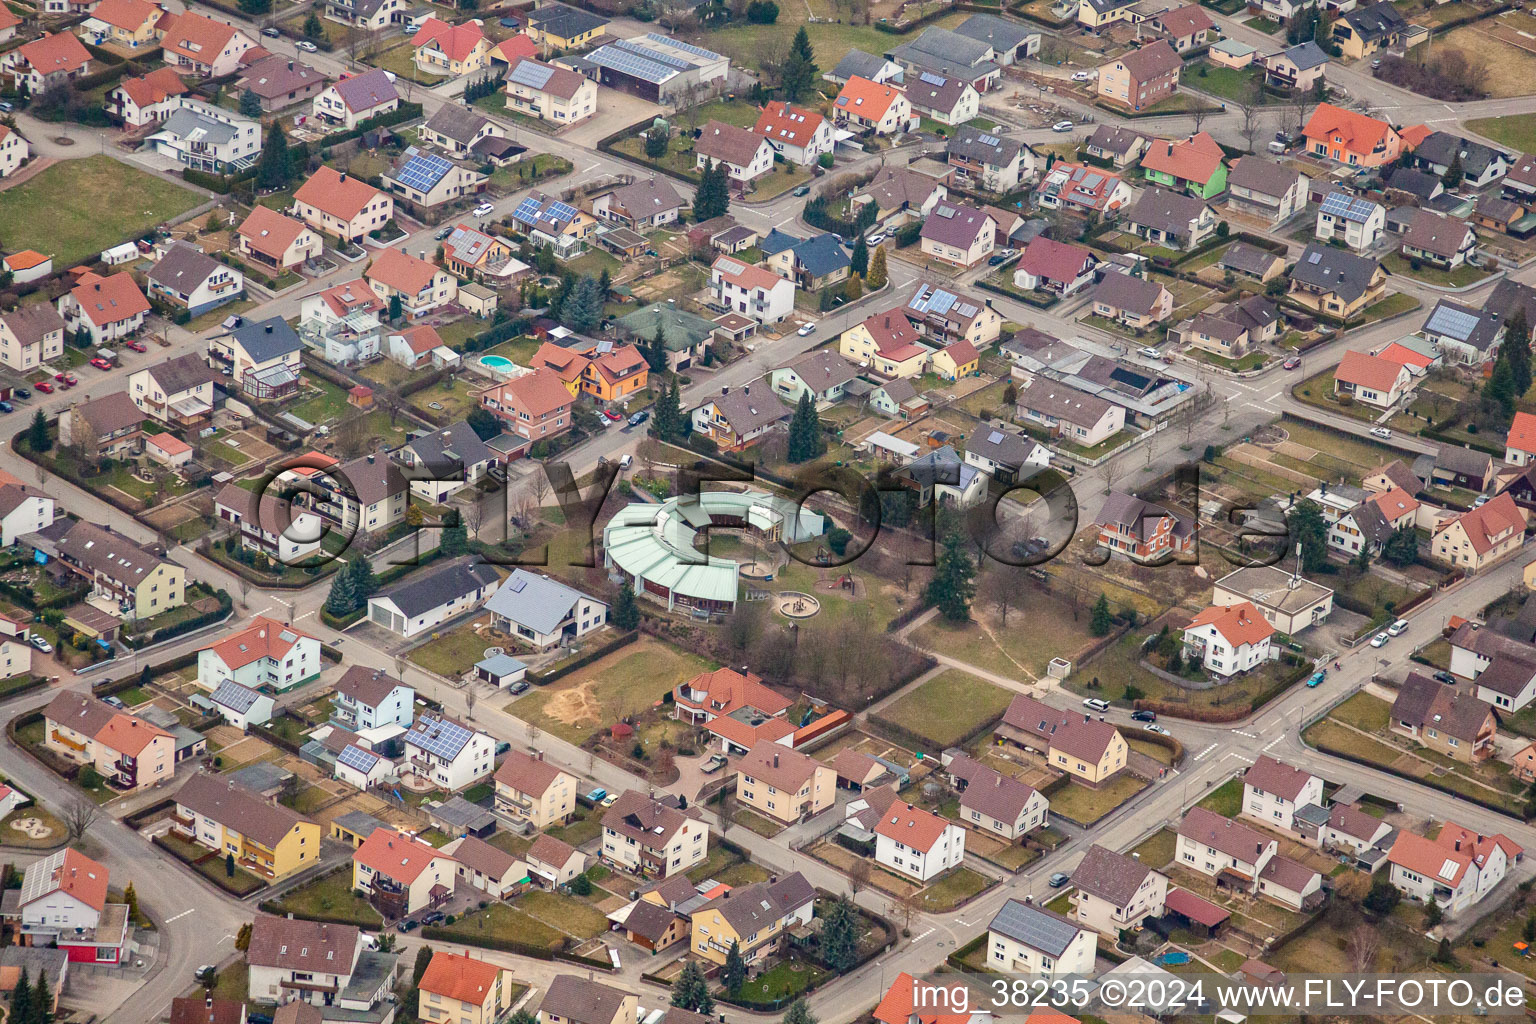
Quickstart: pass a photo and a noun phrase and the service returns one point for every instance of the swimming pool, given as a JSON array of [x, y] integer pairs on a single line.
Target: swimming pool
[[499, 363]]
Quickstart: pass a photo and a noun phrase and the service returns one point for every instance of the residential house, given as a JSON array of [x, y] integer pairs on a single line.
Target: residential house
[[141, 582], [1192, 165], [23, 510], [942, 98], [820, 373], [269, 524], [420, 286], [342, 206], [736, 418], [858, 64], [1118, 144], [531, 789], [614, 372], [1009, 41], [548, 220], [534, 407], [265, 838], [1371, 379], [112, 422], [31, 336], [447, 753], [990, 162], [1141, 78], [450, 51], [1296, 69], [811, 263], [1457, 869], [1445, 242], [1026, 939], [1005, 455], [543, 612], [107, 308], [1090, 751], [1334, 282], [1211, 332], [553, 862], [458, 989], [1066, 412], [550, 93], [1450, 722], [353, 99], [917, 844], [192, 280], [1481, 165], [943, 53], [955, 361], [206, 137], [560, 27], [203, 46], [1465, 334], [1358, 223], [887, 344], [752, 919], [799, 135], [653, 838], [945, 317], [128, 752], [1458, 466], [1142, 531], [783, 784], [575, 1000], [994, 802], [266, 655], [1479, 538], [343, 321], [125, 24], [1502, 215], [401, 874], [241, 706], [959, 235], [262, 357], [745, 154], [1171, 220], [429, 180], [1186, 28], [50, 58], [1520, 442], [1099, 14], [366, 698], [142, 101], [726, 701], [1116, 891], [478, 256], [752, 291], [879, 107], [942, 477], [281, 82], [1136, 302], [1228, 640], [1350, 137], [1273, 792], [278, 243], [292, 960], [1369, 30], [367, 494], [1059, 268], [432, 597], [1262, 188], [1223, 849], [1352, 830], [1068, 186], [644, 205], [420, 347], [372, 15], [63, 901]]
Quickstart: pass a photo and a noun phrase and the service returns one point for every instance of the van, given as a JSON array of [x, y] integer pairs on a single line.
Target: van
[[1277, 147], [626, 460], [1095, 704]]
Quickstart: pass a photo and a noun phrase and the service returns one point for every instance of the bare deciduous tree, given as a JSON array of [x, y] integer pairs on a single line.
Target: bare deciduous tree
[[1362, 948], [78, 816], [858, 877], [470, 699]]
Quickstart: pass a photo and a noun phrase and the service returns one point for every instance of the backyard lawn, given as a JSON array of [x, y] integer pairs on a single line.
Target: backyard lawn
[[449, 397], [1226, 799], [1464, 275], [320, 402], [93, 204], [1040, 627], [330, 896], [781, 982], [570, 915], [499, 921], [1517, 131], [1158, 848], [454, 653], [1079, 803], [626, 682], [948, 708], [951, 890]]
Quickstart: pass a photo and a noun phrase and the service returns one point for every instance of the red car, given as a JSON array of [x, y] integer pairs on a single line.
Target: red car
[[58, 376], [101, 364], [135, 346], [615, 417], [70, 380], [45, 386]]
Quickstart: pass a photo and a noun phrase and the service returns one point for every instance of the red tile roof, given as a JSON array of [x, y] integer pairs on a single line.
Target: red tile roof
[[1194, 159], [1486, 525], [422, 339], [727, 690], [1522, 432], [269, 232], [898, 1004], [1421, 856], [456, 41], [562, 362], [1365, 370], [50, 55], [1395, 504], [783, 122], [108, 300], [154, 87], [1415, 134], [264, 638], [459, 977], [516, 48], [343, 196], [894, 335], [1238, 624], [911, 826], [129, 15], [869, 100], [401, 271], [538, 393], [1052, 260], [1459, 839], [81, 877], [198, 38], [1201, 911], [1357, 133], [396, 855]]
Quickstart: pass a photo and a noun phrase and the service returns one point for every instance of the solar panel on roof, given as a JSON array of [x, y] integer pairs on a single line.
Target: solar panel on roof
[[534, 76], [941, 302], [947, 212], [989, 140], [996, 437], [931, 79], [423, 170], [1338, 204], [527, 210], [560, 211], [1315, 257], [1092, 180], [442, 738], [357, 759], [678, 44], [965, 309], [1452, 321]]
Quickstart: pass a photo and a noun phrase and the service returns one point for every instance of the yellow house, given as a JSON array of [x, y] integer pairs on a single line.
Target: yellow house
[[886, 343], [529, 788], [614, 374], [458, 989], [1098, 13], [136, 578], [1477, 539], [129, 24], [558, 27], [755, 917], [1074, 743], [451, 50], [958, 360], [267, 839], [575, 1000], [784, 784]]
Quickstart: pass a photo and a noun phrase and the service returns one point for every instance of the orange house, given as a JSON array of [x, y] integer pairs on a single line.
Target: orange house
[[1351, 138], [569, 366], [613, 374]]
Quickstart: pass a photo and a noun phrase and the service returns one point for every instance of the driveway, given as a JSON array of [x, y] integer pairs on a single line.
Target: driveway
[[617, 110]]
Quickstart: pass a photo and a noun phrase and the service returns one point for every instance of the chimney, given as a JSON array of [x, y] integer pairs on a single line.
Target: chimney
[[1458, 844], [775, 760], [370, 460], [208, 999], [538, 755], [343, 177], [726, 895], [269, 328]]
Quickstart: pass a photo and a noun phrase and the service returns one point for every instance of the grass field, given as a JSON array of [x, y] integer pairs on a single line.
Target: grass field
[[954, 888], [1158, 849], [1462, 276], [949, 707], [453, 653], [749, 45], [1085, 806], [499, 921], [1518, 131], [321, 402], [568, 914], [1039, 628], [1226, 799], [93, 204], [626, 682], [330, 896]]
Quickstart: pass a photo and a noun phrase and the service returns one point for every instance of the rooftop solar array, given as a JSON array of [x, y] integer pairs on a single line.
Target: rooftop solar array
[[357, 758], [532, 210], [440, 737], [532, 74], [422, 171], [1450, 320], [1338, 204], [678, 44], [989, 140], [932, 79], [1036, 928]]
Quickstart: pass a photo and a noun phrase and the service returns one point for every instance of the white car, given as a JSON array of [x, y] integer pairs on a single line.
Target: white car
[[875, 239], [1381, 432], [806, 329], [1063, 126], [306, 46], [1154, 727], [1095, 704], [1084, 76], [1380, 639], [1150, 352], [484, 210], [40, 643], [1398, 628]]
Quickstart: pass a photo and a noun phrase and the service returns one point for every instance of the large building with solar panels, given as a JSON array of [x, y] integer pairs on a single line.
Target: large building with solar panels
[[557, 95], [1029, 939], [448, 754], [428, 179], [653, 66]]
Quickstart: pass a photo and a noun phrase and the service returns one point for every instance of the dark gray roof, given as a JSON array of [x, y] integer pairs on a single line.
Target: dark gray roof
[[532, 600], [460, 813], [182, 373], [419, 593], [275, 76], [108, 553], [747, 412], [371, 478], [566, 22], [756, 907], [1305, 55], [821, 255], [1112, 877], [581, 1000], [1122, 291], [32, 323], [1419, 184], [267, 339], [996, 151], [649, 920], [1038, 928], [824, 368], [929, 90], [1247, 259], [1457, 459], [1443, 147], [857, 63], [459, 123], [999, 33], [647, 197], [1507, 675], [183, 268], [1372, 522], [1114, 138], [1507, 295], [1375, 22], [234, 696], [1475, 327], [1001, 446], [1255, 312], [942, 49], [1165, 210], [1263, 176], [1322, 266], [450, 450]]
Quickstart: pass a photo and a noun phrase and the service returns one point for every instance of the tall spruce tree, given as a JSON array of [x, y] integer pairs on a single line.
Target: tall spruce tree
[[799, 1012], [626, 613], [690, 990], [734, 974], [799, 74], [364, 582], [276, 167], [583, 307], [953, 585], [877, 271], [840, 935], [860, 258], [656, 349], [805, 438], [21, 999], [1517, 343], [342, 599], [713, 197], [37, 434]]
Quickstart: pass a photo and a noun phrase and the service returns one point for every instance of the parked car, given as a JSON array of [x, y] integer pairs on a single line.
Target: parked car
[[1316, 679], [22, 393], [70, 380], [485, 210], [1398, 628], [626, 460], [1381, 432], [1059, 879], [714, 764], [1150, 352], [997, 261], [1095, 704], [7, 106], [613, 415], [1292, 363], [1480, 501], [1153, 727], [610, 800], [805, 330], [306, 46], [46, 387], [258, 1018], [1380, 639], [1445, 677], [443, 232], [639, 418], [101, 364], [1084, 76], [271, 33], [876, 238], [1063, 126], [60, 376], [135, 346], [521, 686], [1143, 716], [433, 918], [1375, 63], [205, 972], [406, 925], [803, 190], [502, 748], [1277, 148], [6, 406], [40, 643]]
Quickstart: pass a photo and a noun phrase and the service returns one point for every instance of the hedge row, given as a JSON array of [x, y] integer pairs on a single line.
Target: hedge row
[[226, 606], [216, 877], [582, 660]]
